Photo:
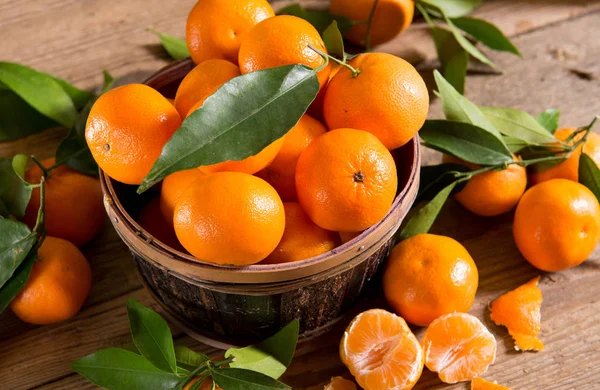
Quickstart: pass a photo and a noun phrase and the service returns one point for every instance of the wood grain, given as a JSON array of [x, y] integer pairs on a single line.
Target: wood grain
[[76, 40]]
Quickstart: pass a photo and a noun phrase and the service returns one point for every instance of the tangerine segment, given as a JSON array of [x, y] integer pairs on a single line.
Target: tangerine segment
[[458, 347], [482, 384], [519, 311], [381, 352], [339, 383]]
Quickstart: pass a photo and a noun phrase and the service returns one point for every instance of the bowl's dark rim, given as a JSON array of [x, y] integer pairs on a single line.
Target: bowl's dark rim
[[180, 67]]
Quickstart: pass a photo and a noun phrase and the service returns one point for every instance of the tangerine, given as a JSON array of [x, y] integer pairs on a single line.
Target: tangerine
[[482, 384], [74, 209], [427, 276], [229, 218], [216, 28], [127, 128], [152, 220], [58, 285], [557, 224], [388, 98], [339, 383], [346, 180], [172, 188]]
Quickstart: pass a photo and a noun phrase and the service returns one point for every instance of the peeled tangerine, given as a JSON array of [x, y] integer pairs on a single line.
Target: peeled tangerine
[[381, 352], [519, 311], [339, 383], [482, 384], [458, 347]]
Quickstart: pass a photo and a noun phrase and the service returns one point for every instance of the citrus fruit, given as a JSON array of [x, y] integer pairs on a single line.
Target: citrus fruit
[[568, 169], [58, 285], [283, 40], [281, 172], [216, 28], [519, 311], [482, 384], [201, 82], [494, 192], [248, 165], [427, 276], [381, 352], [346, 180], [127, 129], [339, 383], [391, 17], [74, 209], [172, 188], [229, 218], [388, 98], [302, 239], [152, 220], [458, 347], [557, 224], [348, 236]]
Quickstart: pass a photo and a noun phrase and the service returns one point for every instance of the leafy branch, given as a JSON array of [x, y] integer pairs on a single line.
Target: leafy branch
[[154, 362]]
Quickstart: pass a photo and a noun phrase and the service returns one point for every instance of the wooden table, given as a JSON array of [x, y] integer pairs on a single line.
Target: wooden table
[[76, 39]]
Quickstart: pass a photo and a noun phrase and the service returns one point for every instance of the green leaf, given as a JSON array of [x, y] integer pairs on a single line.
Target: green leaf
[[272, 356], [332, 37], [486, 33], [39, 90], [176, 47], [319, 19], [79, 97], [19, 164], [467, 45], [549, 119], [14, 191], [19, 119], [188, 359], [453, 58], [465, 141], [118, 369], [515, 145], [73, 150], [453, 8], [517, 124], [16, 240], [434, 178], [459, 108], [422, 221], [238, 379], [18, 280], [589, 174], [258, 108], [152, 336]]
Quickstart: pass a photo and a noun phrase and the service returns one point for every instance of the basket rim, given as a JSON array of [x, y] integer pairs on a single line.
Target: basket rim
[[113, 204]]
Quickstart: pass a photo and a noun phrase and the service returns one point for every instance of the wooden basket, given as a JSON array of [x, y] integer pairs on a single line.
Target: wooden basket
[[238, 305]]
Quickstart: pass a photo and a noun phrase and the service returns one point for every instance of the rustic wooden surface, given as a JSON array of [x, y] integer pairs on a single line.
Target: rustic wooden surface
[[77, 39]]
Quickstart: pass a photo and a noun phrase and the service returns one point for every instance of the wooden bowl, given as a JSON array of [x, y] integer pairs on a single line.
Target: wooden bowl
[[235, 305]]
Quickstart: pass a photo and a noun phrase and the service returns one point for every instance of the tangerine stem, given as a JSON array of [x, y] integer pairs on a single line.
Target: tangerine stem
[[199, 370], [39, 222], [327, 57], [369, 23], [37, 162]]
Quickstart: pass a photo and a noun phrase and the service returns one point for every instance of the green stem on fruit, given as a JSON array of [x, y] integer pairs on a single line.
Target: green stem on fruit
[[369, 23], [198, 371], [327, 58], [223, 362], [39, 222], [37, 162]]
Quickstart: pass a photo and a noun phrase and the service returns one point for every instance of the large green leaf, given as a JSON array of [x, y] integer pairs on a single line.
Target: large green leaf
[[79, 97], [118, 369], [16, 240], [589, 174], [188, 359], [152, 336], [465, 141], [332, 37], [453, 58], [176, 47], [515, 145], [517, 124], [18, 280], [39, 90], [18, 118], [453, 8], [466, 44], [319, 19], [486, 33], [459, 108], [421, 222], [549, 119], [272, 356], [239, 120], [238, 379], [434, 178], [14, 191]]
